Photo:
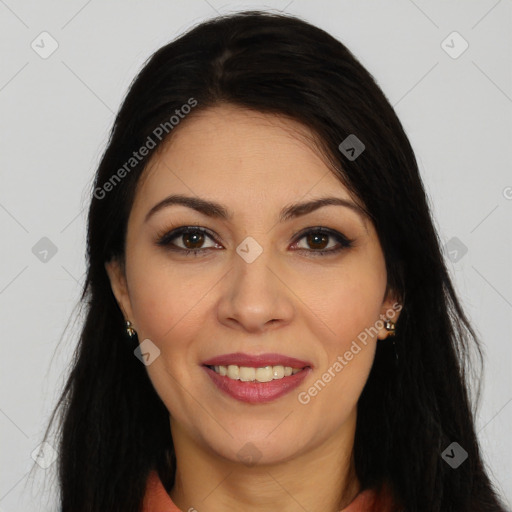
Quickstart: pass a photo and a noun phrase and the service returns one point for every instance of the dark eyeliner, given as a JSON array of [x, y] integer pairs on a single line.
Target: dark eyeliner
[[165, 237], [343, 241]]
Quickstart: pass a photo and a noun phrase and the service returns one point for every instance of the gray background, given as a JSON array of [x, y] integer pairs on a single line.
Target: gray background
[[55, 114]]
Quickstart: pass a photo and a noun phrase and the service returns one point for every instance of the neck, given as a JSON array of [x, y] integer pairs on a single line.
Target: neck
[[320, 479]]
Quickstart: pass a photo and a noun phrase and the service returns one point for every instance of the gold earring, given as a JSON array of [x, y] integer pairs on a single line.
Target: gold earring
[[129, 329], [390, 327]]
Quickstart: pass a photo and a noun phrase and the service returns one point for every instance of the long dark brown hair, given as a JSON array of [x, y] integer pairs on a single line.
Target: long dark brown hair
[[114, 428]]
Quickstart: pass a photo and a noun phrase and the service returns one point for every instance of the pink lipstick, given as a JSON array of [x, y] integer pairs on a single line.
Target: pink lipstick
[[218, 368]]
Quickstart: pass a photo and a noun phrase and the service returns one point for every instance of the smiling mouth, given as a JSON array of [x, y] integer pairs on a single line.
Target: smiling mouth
[[252, 374]]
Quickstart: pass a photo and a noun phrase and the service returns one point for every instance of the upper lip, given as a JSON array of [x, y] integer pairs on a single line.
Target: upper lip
[[256, 361]]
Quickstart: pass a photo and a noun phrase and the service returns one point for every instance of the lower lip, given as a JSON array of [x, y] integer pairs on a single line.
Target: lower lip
[[257, 392]]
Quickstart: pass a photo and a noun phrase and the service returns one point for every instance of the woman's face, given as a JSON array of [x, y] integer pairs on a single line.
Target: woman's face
[[259, 286]]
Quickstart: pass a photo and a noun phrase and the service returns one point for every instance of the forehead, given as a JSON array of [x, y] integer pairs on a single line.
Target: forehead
[[240, 157]]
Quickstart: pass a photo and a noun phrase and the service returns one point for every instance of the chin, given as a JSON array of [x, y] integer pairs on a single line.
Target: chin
[[259, 449]]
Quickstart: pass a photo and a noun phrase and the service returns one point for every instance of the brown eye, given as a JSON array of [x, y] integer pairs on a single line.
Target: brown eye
[[192, 240], [317, 241]]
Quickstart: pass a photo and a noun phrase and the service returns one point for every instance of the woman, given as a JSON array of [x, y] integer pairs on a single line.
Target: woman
[[270, 321]]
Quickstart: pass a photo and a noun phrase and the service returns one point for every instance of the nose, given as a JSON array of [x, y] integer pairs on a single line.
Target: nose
[[255, 296]]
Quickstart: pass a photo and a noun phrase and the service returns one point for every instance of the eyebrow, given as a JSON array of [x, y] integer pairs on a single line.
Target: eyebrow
[[216, 210]]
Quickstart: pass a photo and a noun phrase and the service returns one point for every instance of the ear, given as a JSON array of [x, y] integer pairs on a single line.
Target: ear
[[117, 276], [391, 308]]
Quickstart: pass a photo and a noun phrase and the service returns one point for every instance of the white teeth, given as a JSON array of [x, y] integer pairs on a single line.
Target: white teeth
[[233, 372], [264, 374], [278, 372], [246, 374], [250, 374]]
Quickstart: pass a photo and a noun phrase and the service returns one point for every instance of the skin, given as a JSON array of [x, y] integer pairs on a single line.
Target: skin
[[287, 301]]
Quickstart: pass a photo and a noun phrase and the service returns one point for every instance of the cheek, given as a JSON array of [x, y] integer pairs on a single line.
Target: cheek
[[166, 305], [352, 312], [164, 299], [349, 310], [347, 302], [346, 307]]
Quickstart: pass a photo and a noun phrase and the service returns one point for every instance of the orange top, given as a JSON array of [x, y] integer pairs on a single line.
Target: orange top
[[156, 499]]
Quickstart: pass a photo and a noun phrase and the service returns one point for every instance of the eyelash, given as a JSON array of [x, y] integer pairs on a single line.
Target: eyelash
[[164, 239]]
